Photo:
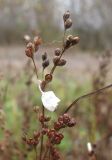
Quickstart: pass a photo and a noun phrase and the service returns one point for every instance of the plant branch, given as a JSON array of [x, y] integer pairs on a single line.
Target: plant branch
[[36, 71], [86, 95], [54, 67], [36, 153], [41, 145]]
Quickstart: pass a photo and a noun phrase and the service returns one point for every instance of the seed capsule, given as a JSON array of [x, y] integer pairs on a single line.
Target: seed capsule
[[59, 62], [66, 15], [68, 23], [29, 50], [56, 60], [37, 41], [57, 52], [44, 56], [67, 44], [75, 40], [62, 62], [45, 63]]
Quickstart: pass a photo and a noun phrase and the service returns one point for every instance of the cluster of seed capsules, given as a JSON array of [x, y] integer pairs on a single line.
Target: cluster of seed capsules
[[67, 20], [70, 40], [52, 134], [64, 121], [56, 60], [33, 46], [32, 142]]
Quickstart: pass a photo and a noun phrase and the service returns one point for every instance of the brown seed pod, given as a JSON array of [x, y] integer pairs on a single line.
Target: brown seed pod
[[45, 63], [66, 15], [70, 38], [29, 50], [59, 62], [56, 60], [68, 23], [57, 51], [43, 84], [62, 62], [48, 77], [67, 43], [44, 56], [75, 40], [37, 41]]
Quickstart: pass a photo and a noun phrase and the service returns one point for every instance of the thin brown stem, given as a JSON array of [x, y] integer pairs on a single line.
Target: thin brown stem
[[36, 71], [41, 145], [49, 154], [86, 95], [42, 137], [36, 153], [46, 152]]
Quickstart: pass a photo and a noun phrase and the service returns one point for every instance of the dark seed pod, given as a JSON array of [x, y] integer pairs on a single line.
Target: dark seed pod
[[66, 15], [68, 23], [57, 51], [45, 63], [56, 60], [44, 56]]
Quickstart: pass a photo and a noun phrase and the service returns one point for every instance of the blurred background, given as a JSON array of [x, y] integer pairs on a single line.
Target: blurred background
[[88, 68], [92, 20]]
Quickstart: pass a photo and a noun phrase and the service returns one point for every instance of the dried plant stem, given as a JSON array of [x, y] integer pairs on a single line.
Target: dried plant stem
[[87, 95], [49, 154], [46, 152], [36, 153], [36, 71], [42, 137], [41, 145]]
